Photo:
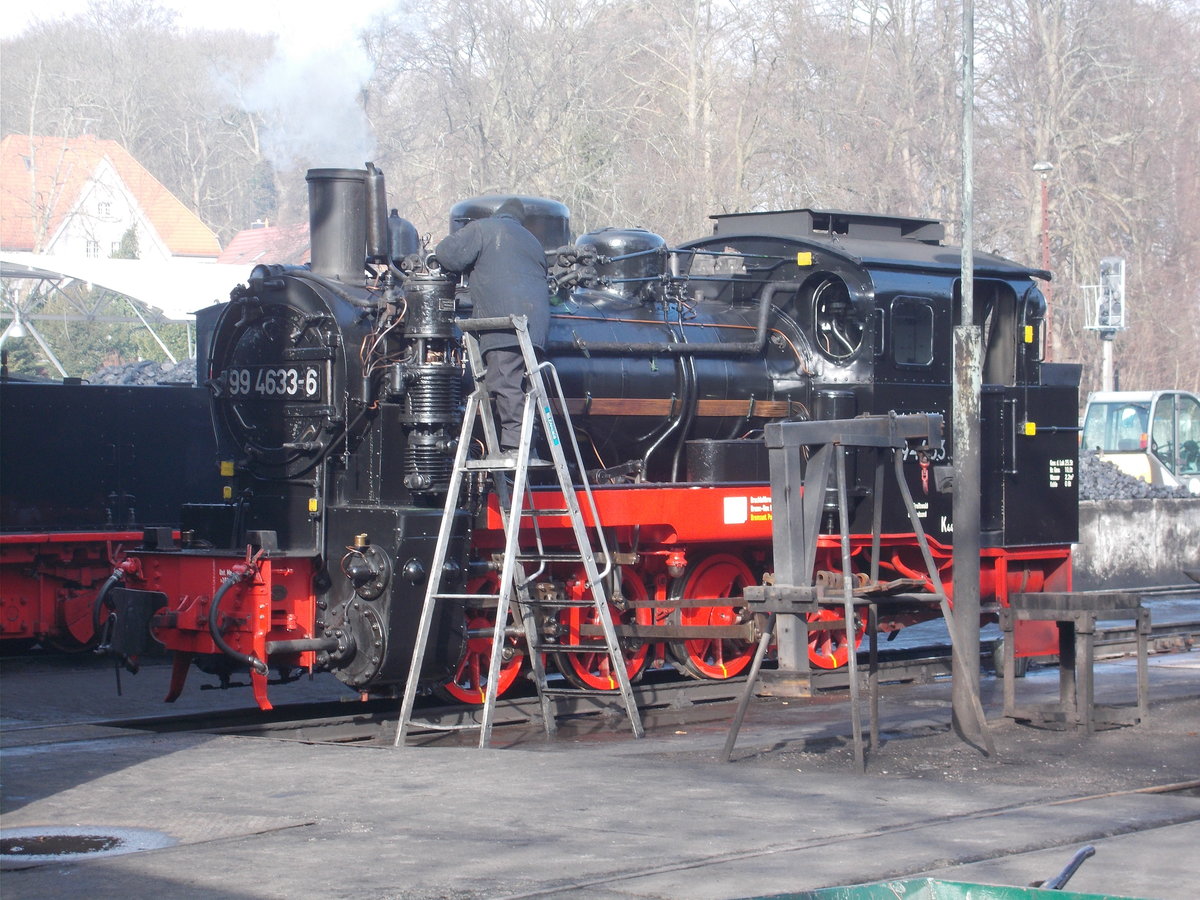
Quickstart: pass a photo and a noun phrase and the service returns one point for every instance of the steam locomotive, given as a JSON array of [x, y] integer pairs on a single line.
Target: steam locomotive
[[337, 391]]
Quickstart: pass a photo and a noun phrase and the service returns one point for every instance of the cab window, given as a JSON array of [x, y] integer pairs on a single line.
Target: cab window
[[1188, 455], [1115, 427], [912, 331], [1162, 431], [837, 325]]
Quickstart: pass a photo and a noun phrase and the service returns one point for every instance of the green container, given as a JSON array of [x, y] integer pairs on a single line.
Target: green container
[[934, 889]]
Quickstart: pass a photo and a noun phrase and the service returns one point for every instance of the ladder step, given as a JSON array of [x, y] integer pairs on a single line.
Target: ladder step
[[549, 557], [503, 464], [561, 604], [539, 513], [487, 465], [438, 726], [580, 692], [598, 647]]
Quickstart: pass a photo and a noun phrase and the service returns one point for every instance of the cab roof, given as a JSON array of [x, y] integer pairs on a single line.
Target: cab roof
[[1132, 396], [868, 239]]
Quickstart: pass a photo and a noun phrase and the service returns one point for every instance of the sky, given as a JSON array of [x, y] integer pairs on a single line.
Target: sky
[[296, 19]]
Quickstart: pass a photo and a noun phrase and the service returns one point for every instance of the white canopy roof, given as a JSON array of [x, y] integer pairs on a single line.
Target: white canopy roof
[[177, 287]]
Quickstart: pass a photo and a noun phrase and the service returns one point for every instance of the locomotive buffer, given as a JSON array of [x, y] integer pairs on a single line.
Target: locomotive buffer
[[517, 508]]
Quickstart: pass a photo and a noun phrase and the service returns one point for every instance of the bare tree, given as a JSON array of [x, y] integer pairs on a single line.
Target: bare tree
[[660, 113], [1073, 82], [123, 71]]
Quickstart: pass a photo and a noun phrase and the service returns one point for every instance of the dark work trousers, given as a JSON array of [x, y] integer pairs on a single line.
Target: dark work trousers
[[505, 381]]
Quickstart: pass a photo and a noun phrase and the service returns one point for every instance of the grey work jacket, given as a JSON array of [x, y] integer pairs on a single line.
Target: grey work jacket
[[506, 266]]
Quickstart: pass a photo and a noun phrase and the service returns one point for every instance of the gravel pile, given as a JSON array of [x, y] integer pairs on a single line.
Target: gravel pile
[[1101, 480], [147, 372]]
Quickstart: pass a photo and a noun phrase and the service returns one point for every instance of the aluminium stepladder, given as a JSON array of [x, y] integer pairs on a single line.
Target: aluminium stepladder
[[515, 579]]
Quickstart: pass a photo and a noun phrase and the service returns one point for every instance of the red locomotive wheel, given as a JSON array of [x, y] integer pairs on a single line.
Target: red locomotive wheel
[[827, 648], [717, 577], [468, 684], [594, 670]]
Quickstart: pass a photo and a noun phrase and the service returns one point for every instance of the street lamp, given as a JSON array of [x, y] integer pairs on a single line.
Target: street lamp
[[1043, 170], [15, 328]]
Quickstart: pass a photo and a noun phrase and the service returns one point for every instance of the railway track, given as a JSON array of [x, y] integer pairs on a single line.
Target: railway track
[[664, 698], [869, 840]]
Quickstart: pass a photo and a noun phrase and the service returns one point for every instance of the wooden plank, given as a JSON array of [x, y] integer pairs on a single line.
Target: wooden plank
[[664, 407]]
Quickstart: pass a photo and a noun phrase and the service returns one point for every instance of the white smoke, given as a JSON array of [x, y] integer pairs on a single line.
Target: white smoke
[[312, 109], [310, 94]]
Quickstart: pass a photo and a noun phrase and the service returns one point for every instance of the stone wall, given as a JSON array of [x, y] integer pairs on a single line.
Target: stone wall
[[1136, 543]]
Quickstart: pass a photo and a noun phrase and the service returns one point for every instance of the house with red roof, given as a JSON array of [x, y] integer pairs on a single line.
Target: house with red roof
[[77, 198], [262, 243]]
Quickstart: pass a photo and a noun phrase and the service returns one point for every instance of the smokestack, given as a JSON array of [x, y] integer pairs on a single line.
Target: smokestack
[[337, 223]]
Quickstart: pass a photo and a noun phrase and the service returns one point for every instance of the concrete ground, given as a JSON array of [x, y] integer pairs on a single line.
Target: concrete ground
[[601, 816]]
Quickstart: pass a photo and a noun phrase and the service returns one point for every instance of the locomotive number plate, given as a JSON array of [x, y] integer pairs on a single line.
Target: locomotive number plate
[[282, 382]]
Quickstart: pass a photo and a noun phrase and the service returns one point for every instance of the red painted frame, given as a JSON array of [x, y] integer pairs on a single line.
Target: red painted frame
[[49, 582], [668, 522], [276, 603]]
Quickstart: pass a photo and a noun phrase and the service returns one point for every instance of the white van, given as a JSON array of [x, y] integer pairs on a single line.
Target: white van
[[1152, 435]]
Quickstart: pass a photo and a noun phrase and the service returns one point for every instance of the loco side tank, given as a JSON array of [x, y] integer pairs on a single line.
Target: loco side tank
[[646, 367], [640, 386]]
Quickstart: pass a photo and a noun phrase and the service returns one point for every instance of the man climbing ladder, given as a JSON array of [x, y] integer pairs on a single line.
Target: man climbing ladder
[[505, 267]]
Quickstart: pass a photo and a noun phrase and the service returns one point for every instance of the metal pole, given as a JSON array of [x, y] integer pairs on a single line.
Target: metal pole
[[967, 319], [966, 401], [1106, 355], [763, 643], [1046, 228], [153, 333], [41, 342], [1044, 169], [860, 758], [967, 312]]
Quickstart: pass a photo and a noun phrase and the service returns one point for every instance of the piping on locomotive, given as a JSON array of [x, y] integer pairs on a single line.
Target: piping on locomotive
[[336, 397]]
